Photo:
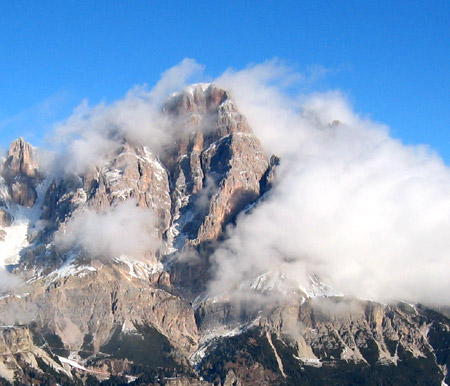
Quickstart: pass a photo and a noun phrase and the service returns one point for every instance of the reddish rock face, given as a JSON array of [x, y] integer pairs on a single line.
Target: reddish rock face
[[215, 167], [20, 172], [195, 186], [21, 159]]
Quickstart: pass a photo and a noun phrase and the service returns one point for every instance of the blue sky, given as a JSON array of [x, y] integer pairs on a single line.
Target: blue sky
[[391, 59]]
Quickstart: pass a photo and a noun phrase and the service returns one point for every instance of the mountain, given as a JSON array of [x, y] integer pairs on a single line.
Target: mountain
[[110, 273]]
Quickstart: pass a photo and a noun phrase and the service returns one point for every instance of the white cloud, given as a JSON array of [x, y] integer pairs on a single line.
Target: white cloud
[[8, 281], [351, 203], [125, 229], [90, 133]]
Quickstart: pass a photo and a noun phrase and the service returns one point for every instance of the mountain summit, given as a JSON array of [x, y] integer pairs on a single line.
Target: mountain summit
[[110, 272]]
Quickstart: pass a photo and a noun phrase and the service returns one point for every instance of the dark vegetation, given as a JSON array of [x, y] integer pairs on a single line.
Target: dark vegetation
[[239, 351], [147, 348], [252, 347], [46, 377]]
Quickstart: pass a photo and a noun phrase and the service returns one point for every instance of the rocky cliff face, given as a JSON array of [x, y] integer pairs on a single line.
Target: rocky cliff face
[[20, 172], [19, 183], [80, 318], [19, 353], [216, 167], [365, 343]]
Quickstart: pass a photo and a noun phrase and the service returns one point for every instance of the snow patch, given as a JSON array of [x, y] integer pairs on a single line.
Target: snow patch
[[270, 282], [77, 366], [24, 220], [309, 361], [15, 241], [72, 363], [191, 89], [317, 288], [70, 269], [139, 269], [208, 340], [175, 238]]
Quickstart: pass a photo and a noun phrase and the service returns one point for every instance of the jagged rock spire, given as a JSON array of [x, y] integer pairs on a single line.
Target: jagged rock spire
[[21, 159], [20, 172]]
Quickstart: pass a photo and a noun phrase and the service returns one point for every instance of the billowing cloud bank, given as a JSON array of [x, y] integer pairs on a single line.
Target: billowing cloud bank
[[351, 203]]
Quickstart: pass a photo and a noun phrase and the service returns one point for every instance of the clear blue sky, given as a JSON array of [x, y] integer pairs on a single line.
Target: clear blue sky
[[392, 58]]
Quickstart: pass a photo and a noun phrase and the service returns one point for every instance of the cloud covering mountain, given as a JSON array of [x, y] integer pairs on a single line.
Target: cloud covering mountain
[[125, 229], [352, 204]]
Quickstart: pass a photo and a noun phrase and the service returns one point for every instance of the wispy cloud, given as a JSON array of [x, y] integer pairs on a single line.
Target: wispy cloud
[[91, 132], [35, 119], [125, 229], [8, 281]]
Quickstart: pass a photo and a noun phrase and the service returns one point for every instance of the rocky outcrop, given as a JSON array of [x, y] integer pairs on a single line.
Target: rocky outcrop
[[21, 160], [20, 172], [239, 184], [5, 218], [18, 354], [99, 314], [268, 179], [5, 221], [215, 168], [77, 302], [132, 172]]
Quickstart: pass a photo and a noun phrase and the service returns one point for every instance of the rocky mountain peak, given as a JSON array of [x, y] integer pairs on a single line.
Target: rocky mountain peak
[[215, 165], [198, 98], [208, 108], [20, 172], [87, 316], [21, 159]]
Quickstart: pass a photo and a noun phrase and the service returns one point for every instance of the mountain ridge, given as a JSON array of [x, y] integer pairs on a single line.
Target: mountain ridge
[[95, 306]]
